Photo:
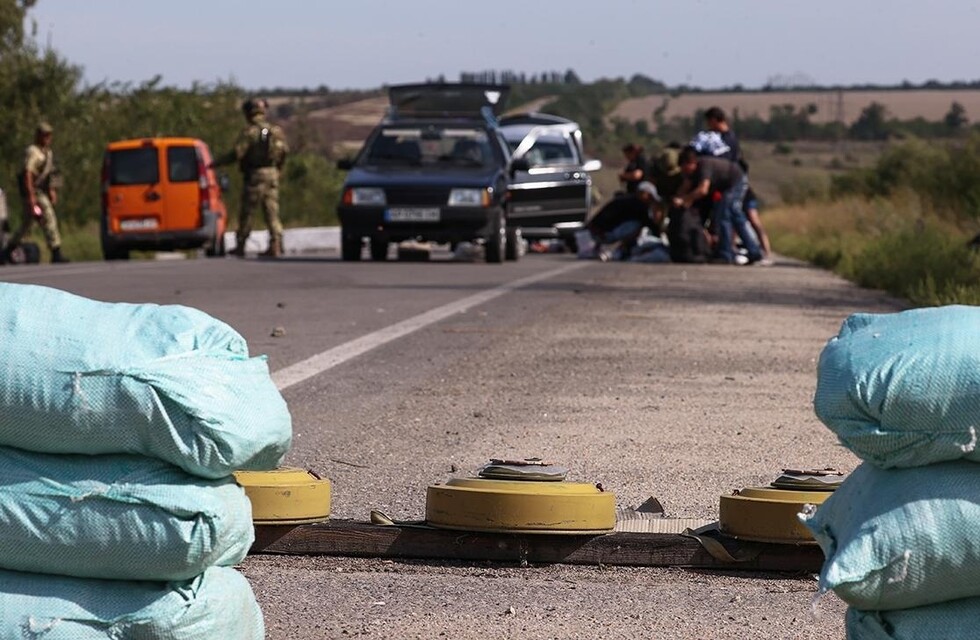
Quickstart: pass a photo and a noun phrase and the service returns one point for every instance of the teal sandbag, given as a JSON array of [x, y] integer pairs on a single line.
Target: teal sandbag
[[943, 621], [219, 604], [117, 516], [903, 389], [901, 538], [169, 382]]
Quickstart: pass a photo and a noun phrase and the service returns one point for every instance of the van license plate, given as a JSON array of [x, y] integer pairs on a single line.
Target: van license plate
[[138, 224], [413, 214]]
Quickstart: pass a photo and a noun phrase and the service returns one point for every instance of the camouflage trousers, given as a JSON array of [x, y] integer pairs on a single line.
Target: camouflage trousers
[[261, 191], [48, 222]]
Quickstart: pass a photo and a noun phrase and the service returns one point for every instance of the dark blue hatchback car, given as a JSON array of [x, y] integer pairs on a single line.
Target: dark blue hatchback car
[[436, 169]]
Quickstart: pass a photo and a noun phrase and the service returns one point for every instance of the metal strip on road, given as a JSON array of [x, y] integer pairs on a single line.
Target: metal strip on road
[[306, 369]]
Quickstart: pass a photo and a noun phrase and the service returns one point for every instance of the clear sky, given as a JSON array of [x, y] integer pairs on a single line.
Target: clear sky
[[367, 43]]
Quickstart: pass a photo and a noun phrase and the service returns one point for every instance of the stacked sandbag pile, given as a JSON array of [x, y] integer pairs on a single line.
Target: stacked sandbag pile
[[120, 428], [901, 535]]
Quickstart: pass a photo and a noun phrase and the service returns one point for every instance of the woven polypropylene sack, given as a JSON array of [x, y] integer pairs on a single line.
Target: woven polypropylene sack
[[217, 605], [169, 382], [900, 538], [117, 516], [903, 389], [943, 621]]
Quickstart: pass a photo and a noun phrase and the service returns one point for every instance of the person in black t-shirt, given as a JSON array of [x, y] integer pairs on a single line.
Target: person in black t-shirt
[[715, 120], [705, 175], [636, 166]]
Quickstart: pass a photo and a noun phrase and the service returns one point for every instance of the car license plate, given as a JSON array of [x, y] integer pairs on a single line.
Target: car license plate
[[138, 224], [413, 214]]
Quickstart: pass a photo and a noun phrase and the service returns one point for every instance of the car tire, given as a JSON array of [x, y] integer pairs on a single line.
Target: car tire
[[514, 240], [497, 240], [24, 253], [379, 249], [112, 253], [350, 247]]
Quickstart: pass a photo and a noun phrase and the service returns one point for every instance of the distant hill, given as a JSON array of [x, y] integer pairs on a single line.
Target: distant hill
[[831, 105], [342, 129]]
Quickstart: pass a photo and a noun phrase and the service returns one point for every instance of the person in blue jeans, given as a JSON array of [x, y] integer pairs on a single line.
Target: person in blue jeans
[[621, 220], [705, 175]]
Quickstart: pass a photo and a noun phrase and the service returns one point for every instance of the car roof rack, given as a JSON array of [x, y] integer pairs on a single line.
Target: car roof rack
[[447, 100]]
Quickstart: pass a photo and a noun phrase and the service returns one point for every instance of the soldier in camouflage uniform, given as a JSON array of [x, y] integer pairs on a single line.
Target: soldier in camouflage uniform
[[38, 182], [260, 152]]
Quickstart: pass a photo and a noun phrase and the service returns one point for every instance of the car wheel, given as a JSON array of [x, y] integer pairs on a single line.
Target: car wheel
[[514, 241], [112, 253], [379, 249], [496, 241], [24, 253], [350, 247]]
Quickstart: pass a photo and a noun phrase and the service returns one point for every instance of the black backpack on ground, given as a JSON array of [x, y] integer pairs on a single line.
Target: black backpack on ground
[[685, 233]]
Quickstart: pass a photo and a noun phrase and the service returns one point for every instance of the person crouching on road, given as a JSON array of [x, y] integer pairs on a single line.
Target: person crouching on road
[[260, 152], [38, 188], [622, 219], [706, 174]]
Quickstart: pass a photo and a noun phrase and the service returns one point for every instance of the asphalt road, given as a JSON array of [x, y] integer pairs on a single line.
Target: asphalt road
[[679, 382]]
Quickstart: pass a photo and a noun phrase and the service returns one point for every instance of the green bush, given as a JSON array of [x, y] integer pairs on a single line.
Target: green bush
[[921, 263], [947, 176]]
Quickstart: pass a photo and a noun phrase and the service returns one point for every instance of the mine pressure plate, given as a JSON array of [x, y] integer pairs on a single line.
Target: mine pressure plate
[[520, 506], [286, 495], [529, 469], [809, 479]]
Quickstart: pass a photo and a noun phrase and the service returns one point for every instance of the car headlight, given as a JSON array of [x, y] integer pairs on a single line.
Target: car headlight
[[469, 198], [365, 196]]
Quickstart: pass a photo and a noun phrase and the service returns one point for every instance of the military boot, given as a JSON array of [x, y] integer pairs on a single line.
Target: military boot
[[239, 250], [57, 257], [275, 248]]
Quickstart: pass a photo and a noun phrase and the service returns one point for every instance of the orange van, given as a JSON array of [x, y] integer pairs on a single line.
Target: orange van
[[159, 194]]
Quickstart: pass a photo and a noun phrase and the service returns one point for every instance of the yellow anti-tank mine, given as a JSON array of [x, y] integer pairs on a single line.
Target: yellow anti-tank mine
[[521, 497], [286, 495], [770, 514]]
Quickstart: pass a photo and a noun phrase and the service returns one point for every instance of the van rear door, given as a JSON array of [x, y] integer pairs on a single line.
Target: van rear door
[[134, 199], [184, 175]]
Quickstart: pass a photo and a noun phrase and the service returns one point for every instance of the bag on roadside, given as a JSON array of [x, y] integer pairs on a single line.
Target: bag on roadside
[[218, 604], [117, 516], [168, 382], [903, 389], [943, 621], [901, 538], [686, 237], [585, 244]]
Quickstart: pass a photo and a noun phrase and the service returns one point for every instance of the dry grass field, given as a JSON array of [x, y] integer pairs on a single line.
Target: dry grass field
[[904, 105]]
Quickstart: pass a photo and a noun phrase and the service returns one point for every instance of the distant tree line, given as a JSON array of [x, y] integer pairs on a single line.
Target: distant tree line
[[790, 122], [518, 77], [38, 84]]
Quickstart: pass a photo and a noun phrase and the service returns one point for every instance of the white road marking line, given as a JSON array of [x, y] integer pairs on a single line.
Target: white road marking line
[[306, 369]]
